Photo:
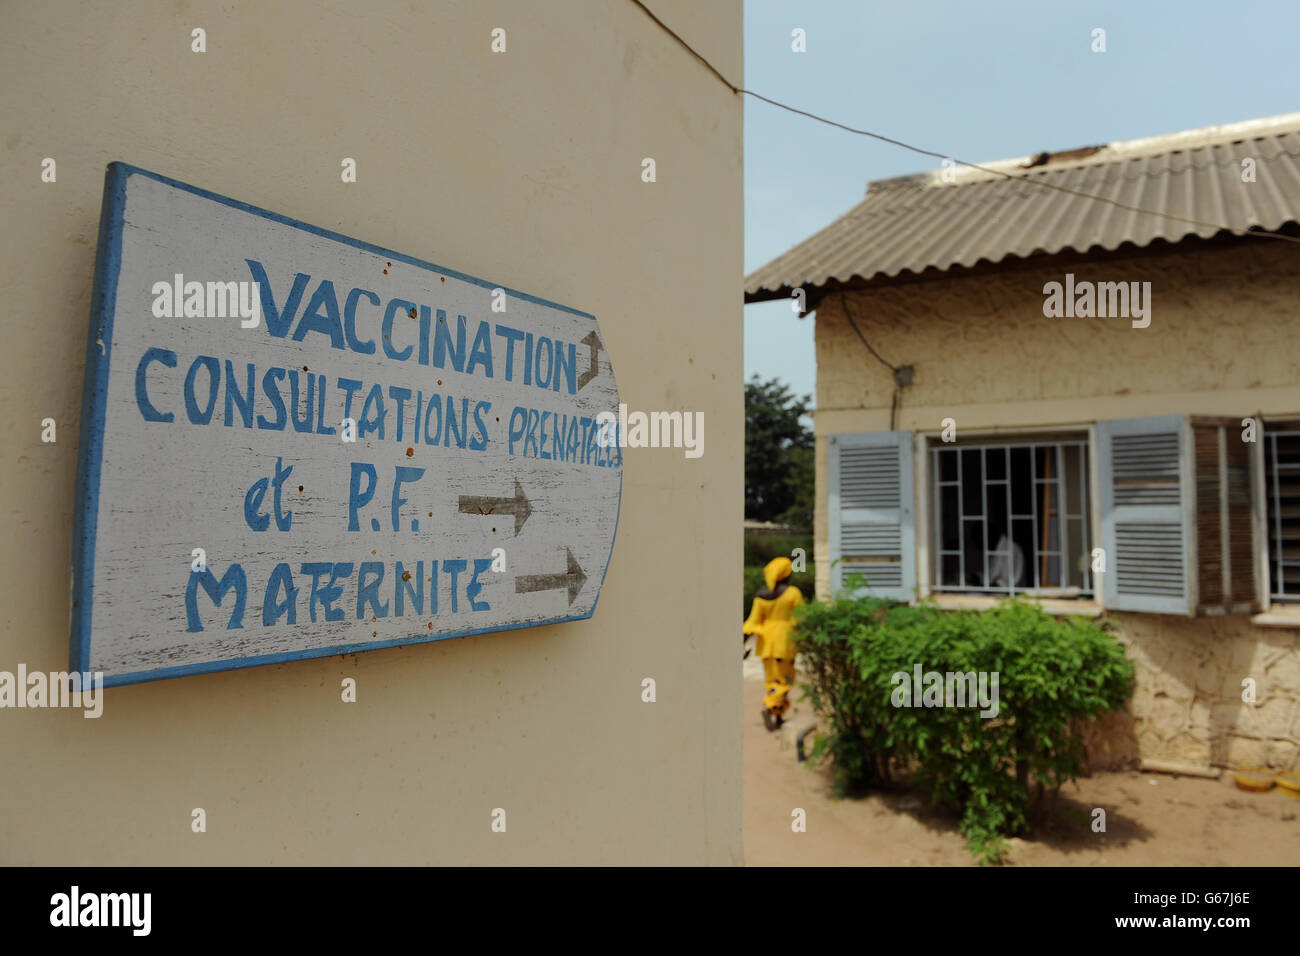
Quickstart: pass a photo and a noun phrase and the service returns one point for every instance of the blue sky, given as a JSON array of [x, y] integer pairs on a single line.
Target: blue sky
[[981, 81]]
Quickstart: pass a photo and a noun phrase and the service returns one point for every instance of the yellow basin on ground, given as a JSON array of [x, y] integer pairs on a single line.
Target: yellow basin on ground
[[1288, 782], [1254, 779]]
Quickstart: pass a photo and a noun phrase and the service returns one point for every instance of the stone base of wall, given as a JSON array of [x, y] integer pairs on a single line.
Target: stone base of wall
[[1110, 743], [1187, 706]]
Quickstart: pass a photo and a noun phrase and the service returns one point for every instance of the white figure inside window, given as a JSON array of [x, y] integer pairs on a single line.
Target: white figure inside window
[[1006, 570]]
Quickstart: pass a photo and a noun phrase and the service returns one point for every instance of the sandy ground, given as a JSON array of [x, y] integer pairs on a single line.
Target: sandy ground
[[1152, 819]]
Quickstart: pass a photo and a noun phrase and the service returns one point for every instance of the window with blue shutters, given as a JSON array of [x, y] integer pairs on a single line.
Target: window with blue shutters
[[1176, 523], [872, 527]]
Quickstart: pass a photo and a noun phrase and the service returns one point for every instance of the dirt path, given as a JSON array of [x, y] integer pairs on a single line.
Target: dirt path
[[1151, 819]]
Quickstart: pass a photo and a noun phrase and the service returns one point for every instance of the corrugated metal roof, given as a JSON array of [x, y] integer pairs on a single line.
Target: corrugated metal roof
[[914, 223]]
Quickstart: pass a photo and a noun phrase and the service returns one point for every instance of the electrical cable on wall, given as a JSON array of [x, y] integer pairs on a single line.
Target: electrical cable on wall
[[902, 373]]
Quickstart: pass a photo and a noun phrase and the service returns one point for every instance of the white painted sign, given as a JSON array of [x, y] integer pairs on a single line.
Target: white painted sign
[[297, 444]]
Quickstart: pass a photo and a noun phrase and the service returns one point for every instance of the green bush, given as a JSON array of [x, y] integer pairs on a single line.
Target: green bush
[[1054, 673], [803, 580]]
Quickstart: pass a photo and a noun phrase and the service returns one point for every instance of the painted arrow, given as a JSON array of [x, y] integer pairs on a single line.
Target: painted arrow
[[592, 340], [573, 579], [485, 505]]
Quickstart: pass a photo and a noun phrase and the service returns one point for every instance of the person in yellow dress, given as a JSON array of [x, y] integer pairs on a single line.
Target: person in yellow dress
[[770, 621]]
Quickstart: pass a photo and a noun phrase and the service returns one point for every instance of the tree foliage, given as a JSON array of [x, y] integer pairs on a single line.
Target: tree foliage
[[779, 477]]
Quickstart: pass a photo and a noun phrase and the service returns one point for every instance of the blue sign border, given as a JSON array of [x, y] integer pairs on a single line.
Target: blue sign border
[[90, 455]]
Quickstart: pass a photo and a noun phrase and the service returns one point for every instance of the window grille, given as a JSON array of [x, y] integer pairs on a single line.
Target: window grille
[[1012, 518], [1282, 488]]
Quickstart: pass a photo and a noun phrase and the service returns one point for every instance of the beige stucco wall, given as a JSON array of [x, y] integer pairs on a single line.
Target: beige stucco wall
[[1224, 339], [524, 167]]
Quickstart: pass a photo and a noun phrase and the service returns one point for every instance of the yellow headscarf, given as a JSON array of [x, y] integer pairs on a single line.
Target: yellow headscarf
[[777, 570]]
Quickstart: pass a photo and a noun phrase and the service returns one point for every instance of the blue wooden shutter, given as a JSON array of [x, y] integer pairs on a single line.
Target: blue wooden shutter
[[1147, 497], [872, 528]]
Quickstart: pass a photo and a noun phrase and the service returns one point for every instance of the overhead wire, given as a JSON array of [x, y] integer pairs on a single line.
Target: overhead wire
[[1033, 181]]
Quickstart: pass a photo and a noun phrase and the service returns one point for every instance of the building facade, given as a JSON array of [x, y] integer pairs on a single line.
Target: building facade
[[1132, 459]]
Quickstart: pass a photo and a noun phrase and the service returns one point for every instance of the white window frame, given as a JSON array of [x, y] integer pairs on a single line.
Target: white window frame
[[1261, 498], [923, 440], [1284, 614], [989, 448]]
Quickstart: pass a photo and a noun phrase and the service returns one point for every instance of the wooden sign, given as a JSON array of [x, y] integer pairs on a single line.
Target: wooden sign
[[297, 444]]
